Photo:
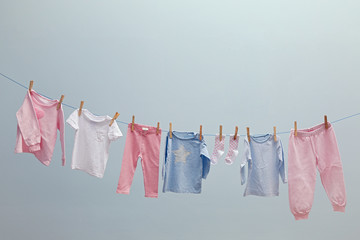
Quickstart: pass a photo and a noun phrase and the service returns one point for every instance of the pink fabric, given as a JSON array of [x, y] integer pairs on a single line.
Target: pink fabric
[[218, 149], [233, 150], [143, 142], [38, 122], [314, 148]]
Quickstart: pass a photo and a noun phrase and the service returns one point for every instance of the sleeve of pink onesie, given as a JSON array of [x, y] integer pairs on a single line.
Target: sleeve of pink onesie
[[61, 127], [29, 124]]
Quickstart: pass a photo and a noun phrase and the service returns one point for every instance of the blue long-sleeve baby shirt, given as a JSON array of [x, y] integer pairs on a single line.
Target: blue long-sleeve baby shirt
[[186, 163], [265, 158]]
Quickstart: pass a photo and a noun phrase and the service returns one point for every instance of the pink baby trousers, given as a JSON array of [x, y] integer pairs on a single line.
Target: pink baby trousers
[[313, 148], [142, 142]]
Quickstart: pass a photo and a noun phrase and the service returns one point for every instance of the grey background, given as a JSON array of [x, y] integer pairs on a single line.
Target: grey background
[[245, 63]]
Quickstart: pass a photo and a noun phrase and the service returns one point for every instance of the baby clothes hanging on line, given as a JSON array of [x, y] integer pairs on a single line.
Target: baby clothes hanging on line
[[38, 121], [218, 149], [186, 163], [233, 151], [92, 141], [313, 148], [144, 142], [265, 158]]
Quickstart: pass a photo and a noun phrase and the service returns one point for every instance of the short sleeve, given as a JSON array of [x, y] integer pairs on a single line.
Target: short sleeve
[[73, 120], [245, 158], [114, 132], [204, 154]]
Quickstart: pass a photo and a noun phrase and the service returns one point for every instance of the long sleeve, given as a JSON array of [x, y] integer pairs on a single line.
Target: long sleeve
[[204, 154], [165, 157], [245, 158], [29, 124], [61, 127], [280, 153]]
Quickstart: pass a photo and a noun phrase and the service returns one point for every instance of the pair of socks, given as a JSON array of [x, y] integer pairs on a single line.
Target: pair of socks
[[219, 149]]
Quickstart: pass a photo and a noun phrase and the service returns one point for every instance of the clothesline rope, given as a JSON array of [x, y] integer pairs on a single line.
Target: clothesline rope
[[126, 123]]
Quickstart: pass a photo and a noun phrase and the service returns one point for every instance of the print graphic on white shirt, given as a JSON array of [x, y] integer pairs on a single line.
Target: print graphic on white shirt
[[181, 154], [100, 135]]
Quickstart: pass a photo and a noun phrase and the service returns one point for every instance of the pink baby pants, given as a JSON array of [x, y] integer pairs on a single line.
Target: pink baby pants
[[142, 142], [313, 148]]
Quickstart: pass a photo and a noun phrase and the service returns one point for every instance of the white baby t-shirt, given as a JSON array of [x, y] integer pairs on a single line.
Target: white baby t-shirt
[[92, 141]]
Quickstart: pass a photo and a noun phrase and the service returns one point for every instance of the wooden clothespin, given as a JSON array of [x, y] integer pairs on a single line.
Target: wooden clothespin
[[295, 129], [60, 102], [248, 133], [114, 118], [220, 136], [275, 134], [236, 132], [200, 137], [158, 128], [326, 122], [170, 130], [31, 85], [132, 123], [81, 106]]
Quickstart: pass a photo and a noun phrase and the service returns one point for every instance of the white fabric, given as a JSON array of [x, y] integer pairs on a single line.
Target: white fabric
[[92, 141]]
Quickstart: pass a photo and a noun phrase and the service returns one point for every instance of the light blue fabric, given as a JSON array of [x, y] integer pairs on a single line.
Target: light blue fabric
[[186, 162], [265, 158]]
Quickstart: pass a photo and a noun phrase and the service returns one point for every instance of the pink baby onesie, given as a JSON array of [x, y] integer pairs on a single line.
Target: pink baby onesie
[[143, 142], [38, 122], [314, 148]]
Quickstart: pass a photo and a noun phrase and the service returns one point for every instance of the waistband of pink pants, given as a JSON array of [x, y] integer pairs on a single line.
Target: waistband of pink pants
[[143, 128], [307, 132]]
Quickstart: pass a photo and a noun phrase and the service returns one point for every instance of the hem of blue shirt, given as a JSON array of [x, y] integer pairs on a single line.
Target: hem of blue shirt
[[260, 194], [178, 191]]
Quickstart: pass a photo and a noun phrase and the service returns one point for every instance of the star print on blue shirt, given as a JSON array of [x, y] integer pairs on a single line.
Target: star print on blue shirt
[[181, 154], [186, 163]]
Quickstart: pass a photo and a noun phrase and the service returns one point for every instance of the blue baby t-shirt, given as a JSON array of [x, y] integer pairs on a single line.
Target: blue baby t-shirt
[[265, 158], [186, 162]]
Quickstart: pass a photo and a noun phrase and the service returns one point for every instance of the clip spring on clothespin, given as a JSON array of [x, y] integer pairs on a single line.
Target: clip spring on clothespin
[[275, 139], [200, 137], [326, 122], [295, 129], [60, 102], [248, 133], [31, 85], [236, 132], [132, 123], [81, 106], [220, 135], [157, 129], [114, 118], [170, 130]]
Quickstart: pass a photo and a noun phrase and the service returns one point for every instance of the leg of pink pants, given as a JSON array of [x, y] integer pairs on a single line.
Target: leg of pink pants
[[330, 168], [143, 142], [129, 162], [314, 148], [150, 164], [301, 176]]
